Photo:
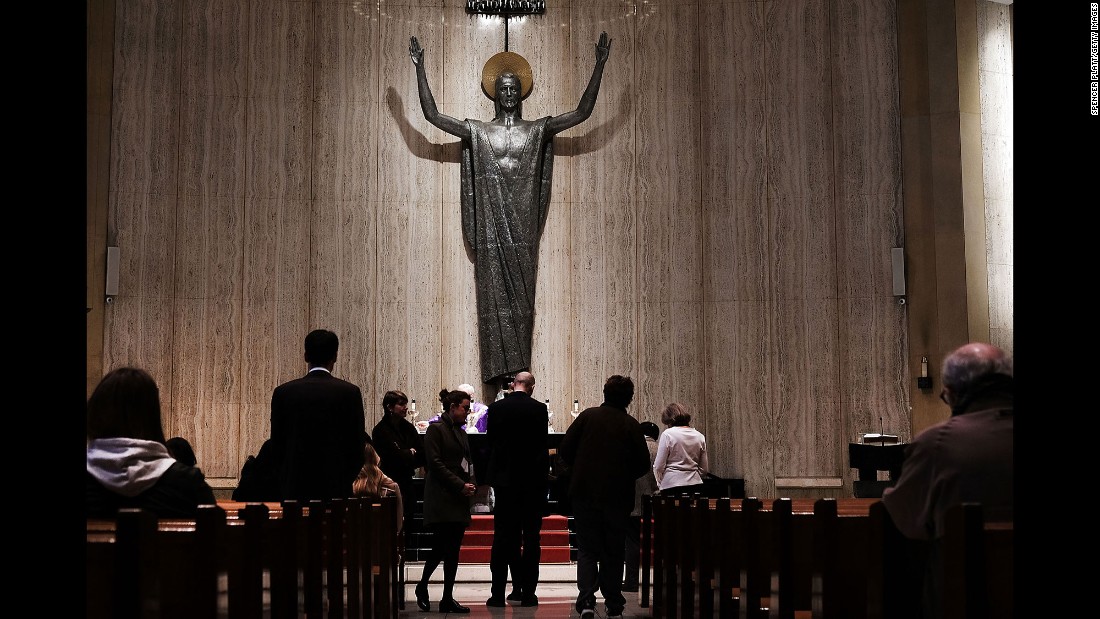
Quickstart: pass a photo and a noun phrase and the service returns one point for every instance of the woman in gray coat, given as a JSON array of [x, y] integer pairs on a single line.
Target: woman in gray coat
[[449, 486]]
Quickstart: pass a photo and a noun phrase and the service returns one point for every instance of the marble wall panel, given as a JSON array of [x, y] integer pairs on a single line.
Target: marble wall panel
[[139, 334], [798, 87], [622, 289], [213, 51], [282, 50], [805, 393], [667, 51], [212, 146], [552, 341], [733, 150], [207, 350], [735, 263], [346, 165], [279, 156], [408, 294], [277, 293], [253, 427], [206, 365], [731, 51], [346, 56], [465, 42], [999, 231], [668, 132], [212, 429], [143, 228], [874, 381], [208, 251], [867, 227], [654, 375], [864, 97], [144, 141], [589, 368], [148, 36], [277, 242], [273, 336], [739, 426], [803, 248], [459, 352], [602, 149]]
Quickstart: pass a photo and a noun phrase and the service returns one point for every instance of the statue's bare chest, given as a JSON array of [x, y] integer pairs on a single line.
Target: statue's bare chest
[[508, 142]]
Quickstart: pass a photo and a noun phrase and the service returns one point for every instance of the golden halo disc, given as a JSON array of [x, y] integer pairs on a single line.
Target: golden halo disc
[[506, 62]]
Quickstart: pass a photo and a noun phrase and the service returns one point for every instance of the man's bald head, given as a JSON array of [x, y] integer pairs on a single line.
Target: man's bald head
[[972, 362], [525, 382]]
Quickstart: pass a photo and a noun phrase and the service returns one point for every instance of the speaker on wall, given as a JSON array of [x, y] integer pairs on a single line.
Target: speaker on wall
[[111, 289], [897, 258]]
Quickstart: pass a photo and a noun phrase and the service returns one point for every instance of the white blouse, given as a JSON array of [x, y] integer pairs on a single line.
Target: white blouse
[[681, 457]]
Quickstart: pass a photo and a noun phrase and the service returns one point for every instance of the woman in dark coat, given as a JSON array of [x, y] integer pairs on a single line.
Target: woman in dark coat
[[449, 488], [400, 447]]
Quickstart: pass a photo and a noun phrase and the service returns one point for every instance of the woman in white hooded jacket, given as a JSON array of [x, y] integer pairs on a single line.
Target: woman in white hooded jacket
[[128, 464]]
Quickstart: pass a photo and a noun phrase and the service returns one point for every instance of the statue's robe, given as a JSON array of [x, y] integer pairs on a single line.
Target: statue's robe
[[502, 220]]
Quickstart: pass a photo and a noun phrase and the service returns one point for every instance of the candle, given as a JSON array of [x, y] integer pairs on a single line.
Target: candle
[[924, 367], [576, 405], [413, 406]]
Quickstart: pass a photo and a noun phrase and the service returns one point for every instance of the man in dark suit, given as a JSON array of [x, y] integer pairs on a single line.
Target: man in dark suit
[[318, 427], [518, 469]]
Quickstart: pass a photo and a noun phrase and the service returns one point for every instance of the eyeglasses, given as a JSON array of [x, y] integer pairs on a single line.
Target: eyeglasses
[[943, 396]]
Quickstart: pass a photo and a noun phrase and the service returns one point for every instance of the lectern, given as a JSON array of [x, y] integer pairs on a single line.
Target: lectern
[[870, 458]]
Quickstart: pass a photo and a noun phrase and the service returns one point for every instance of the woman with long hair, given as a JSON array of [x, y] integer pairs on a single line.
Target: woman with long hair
[[372, 482]]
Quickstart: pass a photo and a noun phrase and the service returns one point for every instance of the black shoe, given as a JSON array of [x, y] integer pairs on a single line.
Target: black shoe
[[422, 601], [530, 600], [499, 602], [451, 606], [515, 596]]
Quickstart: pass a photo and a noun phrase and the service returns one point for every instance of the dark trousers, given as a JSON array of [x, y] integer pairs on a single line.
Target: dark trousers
[[446, 540], [601, 540], [517, 533], [632, 560]]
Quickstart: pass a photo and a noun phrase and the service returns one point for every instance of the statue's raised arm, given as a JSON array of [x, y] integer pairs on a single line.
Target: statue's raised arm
[[588, 99], [427, 101]]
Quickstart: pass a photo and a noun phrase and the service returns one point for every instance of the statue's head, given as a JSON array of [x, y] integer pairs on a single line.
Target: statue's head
[[508, 71], [508, 91]]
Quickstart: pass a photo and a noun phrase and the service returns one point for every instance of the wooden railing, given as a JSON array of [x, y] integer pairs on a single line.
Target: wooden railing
[[339, 558], [824, 559]]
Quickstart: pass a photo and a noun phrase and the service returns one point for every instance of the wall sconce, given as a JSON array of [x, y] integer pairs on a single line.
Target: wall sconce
[[924, 381]]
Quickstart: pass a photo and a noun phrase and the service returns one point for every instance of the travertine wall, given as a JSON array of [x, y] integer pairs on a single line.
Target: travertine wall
[[720, 228]]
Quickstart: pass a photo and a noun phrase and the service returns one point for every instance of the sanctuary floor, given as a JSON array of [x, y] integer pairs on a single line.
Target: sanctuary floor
[[557, 592]]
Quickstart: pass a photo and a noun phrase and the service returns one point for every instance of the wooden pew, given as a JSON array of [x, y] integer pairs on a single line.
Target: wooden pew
[[977, 565], [345, 550], [756, 558]]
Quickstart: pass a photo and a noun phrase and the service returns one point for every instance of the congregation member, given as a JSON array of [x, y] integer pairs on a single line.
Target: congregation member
[[372, 482], [967, 458], [449, 487], [606, 451], [519, 465], [318, 427], [681, 460], [399, 446], [128, 463], [646, 485]]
